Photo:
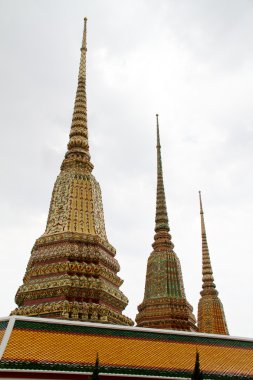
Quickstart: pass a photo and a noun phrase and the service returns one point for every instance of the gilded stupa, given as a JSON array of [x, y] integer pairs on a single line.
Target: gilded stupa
[[211, 316], [164, 305], [72, 271]]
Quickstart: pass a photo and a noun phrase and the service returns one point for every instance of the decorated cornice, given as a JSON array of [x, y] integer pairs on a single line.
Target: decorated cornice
[[75, 311]]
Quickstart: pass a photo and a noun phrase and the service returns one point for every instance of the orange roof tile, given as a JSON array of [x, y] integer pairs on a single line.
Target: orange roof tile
[[53, 345]]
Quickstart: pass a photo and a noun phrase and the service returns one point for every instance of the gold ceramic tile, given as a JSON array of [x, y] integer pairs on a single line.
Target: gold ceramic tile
[[126, 352]]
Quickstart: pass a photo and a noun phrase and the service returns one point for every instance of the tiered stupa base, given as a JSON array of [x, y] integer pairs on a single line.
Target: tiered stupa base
[[166, 313], [73, 276]]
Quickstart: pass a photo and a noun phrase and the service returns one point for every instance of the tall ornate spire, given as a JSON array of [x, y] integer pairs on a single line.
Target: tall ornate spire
[[211, 317], [164, 305], [162, 237], [78, 147], [72, 272]]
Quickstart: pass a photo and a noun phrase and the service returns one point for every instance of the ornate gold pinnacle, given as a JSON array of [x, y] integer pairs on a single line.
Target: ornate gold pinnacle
[[164, 305], [162, 237], [78, 147], [211, 316], [72, 272]]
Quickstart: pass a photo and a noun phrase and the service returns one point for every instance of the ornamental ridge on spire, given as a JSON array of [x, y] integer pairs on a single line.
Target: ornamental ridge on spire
[[211, 316]]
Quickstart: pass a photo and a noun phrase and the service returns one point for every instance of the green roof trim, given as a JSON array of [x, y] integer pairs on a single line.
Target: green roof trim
[[134, 371], [3, 325], [89, 330]]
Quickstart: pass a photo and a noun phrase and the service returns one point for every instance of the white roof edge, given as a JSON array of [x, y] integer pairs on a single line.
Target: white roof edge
[[127, 328], [3, 319], [7, 334]]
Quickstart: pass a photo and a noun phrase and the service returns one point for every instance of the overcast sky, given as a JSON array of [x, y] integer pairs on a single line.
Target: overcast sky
[[191, 61]]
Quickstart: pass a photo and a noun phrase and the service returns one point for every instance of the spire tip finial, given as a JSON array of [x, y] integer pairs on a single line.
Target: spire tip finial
[[84, 41], [200, 202], [157, 131]]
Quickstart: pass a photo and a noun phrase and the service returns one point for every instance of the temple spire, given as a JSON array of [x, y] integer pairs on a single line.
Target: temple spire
[[162, 237], [211, 317], [72, 272], [164, 305], [207, 272], [78, 147]]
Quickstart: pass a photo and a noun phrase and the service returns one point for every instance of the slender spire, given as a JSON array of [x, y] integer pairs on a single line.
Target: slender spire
[[211, 316], [207, 272], [78, 147], [162, 236], [164, 304]]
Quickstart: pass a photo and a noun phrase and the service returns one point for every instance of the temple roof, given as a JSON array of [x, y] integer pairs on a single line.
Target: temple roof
[[69, 348]]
